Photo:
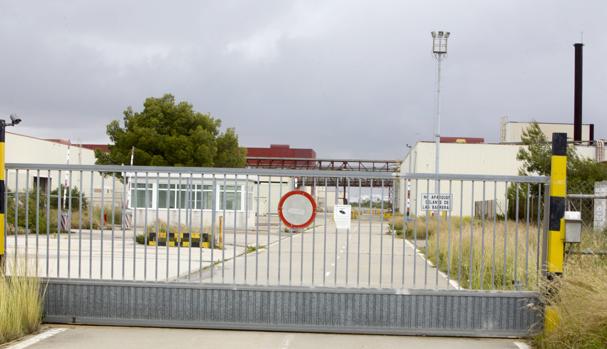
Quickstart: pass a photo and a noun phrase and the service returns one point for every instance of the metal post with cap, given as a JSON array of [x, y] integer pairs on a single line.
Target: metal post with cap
[[439, 49], [3, 124]]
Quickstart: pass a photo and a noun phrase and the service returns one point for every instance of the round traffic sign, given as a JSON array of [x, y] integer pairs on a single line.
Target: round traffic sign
[[297, 209]]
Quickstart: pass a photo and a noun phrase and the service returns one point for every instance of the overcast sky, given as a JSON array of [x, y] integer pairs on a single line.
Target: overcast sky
[[347, 78]]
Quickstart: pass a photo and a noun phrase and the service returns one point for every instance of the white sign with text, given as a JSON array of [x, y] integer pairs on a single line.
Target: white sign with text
[[436, 202]]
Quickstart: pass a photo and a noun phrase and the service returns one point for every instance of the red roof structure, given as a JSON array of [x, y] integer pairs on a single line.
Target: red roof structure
[[472, 140], [281, 156]]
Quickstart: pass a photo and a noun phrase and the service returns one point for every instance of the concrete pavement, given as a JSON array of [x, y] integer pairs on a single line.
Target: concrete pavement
[[99, 337]]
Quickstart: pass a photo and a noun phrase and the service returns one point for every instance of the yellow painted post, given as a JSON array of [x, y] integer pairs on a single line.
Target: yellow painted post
[[2, 191], [556, 228]]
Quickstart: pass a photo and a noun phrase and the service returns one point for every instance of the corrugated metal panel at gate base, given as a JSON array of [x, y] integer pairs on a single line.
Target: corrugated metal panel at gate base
[[409, 312]]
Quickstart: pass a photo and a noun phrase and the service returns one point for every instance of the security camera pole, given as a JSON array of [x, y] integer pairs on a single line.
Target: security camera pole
[[14, 121], [439, 49]]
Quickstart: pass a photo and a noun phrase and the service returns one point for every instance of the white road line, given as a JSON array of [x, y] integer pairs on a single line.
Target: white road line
[[452, 282], [521, 345], [37, 338], [286, 343]]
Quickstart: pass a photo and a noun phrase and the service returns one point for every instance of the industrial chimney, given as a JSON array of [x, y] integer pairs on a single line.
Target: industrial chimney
[[577, 97]]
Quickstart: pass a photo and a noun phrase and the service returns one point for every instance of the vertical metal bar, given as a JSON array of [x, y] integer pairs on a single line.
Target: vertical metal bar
[[483, 213], [48, 221], [393, 204], [38, 219], [246, 225], [493, 250], [358, 242], [370, 230], [179, 236], [313, 236], [516, 238], [190, 206], [257, 233], [224, 193], [414, 233], [470, 275], [324, 250], [279, 232], [426, 240], [301, 251], [145, 226], [113, 221], [539, 229], [269, 230], [406, 221], [506, 221], [381, 234], [156, 227], [348, 234], [213, 219], [335, 203], [91, 205], [437, 236], [449, 224], [291, 232], [16, 221], [201, 208], [527, 237], [461, 228], [27, 221], [80, 197], [125, 208], [69, 225], [102, 224], [234, 231], [135, 209], [167, 239], [58, 220]]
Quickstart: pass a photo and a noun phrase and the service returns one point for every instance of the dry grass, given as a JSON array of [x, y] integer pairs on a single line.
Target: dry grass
[[20, 305], [580, 298], [497, 255]]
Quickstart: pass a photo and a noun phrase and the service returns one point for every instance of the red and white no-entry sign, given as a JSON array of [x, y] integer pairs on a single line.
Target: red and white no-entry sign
[[297, 209]]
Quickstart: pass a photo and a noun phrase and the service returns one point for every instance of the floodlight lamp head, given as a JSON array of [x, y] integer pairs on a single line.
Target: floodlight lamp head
[[439, 42]]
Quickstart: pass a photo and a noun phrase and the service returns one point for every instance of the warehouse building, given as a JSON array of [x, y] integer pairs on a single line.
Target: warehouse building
[[473, 156]]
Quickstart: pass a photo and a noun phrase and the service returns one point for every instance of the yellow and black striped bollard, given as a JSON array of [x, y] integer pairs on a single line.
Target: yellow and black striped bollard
[[556, 227]]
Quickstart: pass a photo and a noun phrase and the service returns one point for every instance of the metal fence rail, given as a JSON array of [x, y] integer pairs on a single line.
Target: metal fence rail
[[219, 226]]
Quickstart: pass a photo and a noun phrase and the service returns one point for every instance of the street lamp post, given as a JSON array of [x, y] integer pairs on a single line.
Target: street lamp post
[[439, 49], [3, 124]]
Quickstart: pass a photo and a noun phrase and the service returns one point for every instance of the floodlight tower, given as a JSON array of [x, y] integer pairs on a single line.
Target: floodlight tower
[[439, 49]]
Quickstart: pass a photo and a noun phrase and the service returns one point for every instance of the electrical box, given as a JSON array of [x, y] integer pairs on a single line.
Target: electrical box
[[573, 226]]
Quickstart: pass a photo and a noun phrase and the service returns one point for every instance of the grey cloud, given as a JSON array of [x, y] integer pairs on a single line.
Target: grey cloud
[[348, 78]]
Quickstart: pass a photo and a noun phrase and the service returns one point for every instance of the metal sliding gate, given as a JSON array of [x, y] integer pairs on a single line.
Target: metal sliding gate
[[205, 248]]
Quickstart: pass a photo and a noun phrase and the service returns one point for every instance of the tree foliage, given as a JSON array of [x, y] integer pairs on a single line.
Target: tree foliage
[[167, 133], [581, 171], [536, 160]]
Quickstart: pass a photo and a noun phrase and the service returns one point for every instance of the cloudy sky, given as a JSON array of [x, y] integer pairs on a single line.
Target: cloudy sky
[[347, 78]]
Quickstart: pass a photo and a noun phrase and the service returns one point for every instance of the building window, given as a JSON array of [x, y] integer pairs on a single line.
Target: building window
[[230, 195], [141, 195]]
